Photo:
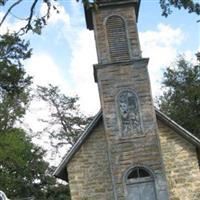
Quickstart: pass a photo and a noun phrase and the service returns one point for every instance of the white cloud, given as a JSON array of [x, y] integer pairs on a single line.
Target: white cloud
[[161, 47], [83, 52], [83, 58], [190, 56], [165, 35], [56, 17], [32, 123], [45, 71], [9, 25], [61, 23]]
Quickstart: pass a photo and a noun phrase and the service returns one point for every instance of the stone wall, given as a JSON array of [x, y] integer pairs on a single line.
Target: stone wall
[[181, 164], [89, 173], [137, 149], [98, 169]]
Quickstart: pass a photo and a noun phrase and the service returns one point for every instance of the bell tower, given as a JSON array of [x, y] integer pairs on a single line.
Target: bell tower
[[126, 102], [114, 25]]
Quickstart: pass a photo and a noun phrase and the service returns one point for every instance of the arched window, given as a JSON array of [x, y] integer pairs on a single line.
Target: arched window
[[129, 115], [117, 39], [140, 184]]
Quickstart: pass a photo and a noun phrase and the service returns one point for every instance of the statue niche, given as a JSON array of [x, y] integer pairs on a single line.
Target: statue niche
[[128, 108]]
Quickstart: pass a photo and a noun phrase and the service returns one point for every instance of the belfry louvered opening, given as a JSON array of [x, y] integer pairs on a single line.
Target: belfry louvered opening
[[117, 39]]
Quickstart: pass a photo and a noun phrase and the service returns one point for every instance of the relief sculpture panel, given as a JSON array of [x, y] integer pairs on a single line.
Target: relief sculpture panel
[[129, 115]]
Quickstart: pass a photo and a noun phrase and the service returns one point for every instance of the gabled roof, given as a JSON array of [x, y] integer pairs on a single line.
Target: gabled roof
[[61, 171], [178, 129]]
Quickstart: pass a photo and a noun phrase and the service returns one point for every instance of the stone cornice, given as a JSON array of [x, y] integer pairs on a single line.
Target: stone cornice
[[88, 10], [136, 62]]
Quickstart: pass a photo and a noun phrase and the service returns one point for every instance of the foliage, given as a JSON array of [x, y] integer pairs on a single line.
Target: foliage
[[23, 172], [64, 115], [181, 99], [21, 165], [13, 50], [189, 5], [14, 83], [58, 192]]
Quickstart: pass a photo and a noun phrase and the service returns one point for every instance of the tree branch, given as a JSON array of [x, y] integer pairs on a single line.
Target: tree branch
[[28, 26], [9, 10]]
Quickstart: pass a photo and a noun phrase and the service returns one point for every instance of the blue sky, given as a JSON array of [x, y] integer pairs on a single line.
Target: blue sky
[[65, 52], [150, 16]]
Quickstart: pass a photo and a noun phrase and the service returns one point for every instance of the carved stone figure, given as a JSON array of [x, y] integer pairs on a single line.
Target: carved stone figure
[[129, 113]]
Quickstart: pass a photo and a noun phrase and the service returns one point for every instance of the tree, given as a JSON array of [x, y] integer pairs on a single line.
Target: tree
[[181, 97], [14, 82], [189, 5], [66, 121], [23, 172], [22, 166], [58, 191]]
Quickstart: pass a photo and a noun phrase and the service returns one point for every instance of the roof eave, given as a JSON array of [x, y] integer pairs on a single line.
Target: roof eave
[[179, 129], [61, 171]]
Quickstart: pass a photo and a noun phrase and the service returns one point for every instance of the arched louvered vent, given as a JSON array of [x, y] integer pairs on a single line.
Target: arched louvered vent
[[117, 39]]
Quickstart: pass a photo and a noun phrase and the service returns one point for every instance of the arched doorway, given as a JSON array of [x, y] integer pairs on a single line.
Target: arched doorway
[[140, 184]]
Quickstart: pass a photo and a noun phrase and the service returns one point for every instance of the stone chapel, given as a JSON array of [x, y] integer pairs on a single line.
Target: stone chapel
[[130, 151]]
